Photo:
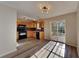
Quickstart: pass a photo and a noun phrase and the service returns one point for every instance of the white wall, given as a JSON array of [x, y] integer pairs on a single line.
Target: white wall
[[78, 29], [7, 30], [70, 20]]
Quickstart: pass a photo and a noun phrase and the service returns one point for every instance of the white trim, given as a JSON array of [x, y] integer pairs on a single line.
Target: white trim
[[71, 44], [78, 50], [7, 52]]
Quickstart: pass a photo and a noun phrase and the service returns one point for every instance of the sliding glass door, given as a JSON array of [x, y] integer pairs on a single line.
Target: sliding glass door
[[58, 30]]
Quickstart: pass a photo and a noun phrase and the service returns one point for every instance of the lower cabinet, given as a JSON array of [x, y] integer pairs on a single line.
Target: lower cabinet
[[41, 35], [31, 34]]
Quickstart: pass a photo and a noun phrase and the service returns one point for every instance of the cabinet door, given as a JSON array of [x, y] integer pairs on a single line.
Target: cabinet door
[[31, 34], [42, 35]]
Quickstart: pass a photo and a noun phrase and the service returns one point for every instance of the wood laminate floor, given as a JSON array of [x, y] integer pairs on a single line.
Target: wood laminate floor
[[71, 52], [27, 48], [54, 49]]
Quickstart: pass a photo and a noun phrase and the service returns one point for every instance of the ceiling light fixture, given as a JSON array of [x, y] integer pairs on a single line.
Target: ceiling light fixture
[[44, 8]]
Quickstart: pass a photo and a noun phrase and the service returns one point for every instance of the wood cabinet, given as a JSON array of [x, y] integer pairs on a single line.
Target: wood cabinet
[[31, 34], [32, 28], [41, 35]]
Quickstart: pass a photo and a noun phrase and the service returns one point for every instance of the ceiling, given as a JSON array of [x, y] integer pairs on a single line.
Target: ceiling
[[31, 8]]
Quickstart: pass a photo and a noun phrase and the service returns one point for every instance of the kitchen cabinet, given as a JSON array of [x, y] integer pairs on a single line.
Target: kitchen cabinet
[[41, 35]]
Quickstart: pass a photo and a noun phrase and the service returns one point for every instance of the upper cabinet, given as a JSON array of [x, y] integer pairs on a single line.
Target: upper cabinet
[[31, 24]]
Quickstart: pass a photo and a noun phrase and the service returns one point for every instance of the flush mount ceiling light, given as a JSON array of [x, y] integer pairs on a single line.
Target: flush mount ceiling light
[[45, 8]]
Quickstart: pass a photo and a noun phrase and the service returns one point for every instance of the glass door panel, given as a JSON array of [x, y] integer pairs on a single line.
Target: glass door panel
[[58, 30]]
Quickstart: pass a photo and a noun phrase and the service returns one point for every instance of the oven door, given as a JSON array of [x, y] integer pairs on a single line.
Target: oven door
[[22, 35]]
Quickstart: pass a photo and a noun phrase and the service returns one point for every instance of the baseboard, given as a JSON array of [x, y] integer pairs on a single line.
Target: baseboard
[[78, 50], [72, 44], [7, 53], [65, 43]]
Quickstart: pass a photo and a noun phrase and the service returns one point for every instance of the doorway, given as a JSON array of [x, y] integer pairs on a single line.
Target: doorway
[[57, 31]]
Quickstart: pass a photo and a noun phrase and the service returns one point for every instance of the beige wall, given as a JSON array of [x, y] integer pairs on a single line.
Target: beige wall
[[8, 18], [78, 29], [70, 20]]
